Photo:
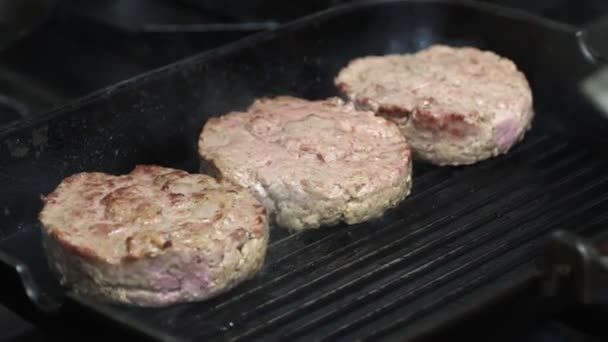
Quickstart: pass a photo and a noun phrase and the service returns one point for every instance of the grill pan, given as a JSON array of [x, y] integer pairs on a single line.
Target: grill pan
[[465, 240]]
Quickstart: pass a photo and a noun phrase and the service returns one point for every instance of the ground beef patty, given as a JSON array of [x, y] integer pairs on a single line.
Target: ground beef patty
[[154, 237], [312, 163], [454, 105]]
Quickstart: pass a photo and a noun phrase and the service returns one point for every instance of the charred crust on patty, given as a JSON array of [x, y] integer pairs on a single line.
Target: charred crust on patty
[[317, 141], [455, 105], [259, 220], [393, 111], [153, 237], [454, 124], [86, 252], [262, 210]]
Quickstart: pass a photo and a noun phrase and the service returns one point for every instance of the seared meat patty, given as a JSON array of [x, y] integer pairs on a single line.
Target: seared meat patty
[[312, 163], [454, 105], [154, 237]]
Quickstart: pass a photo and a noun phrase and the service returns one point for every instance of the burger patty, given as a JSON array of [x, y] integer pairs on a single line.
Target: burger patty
[[153, 237], [454, 105], [312, 163]]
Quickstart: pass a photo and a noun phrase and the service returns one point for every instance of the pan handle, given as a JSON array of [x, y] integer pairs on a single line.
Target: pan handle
[[21, 293], [575, 269], [593, 40]]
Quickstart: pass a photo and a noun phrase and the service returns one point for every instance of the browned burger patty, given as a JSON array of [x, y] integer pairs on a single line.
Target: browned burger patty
[[312, 163], [454, 105], [154, 237]]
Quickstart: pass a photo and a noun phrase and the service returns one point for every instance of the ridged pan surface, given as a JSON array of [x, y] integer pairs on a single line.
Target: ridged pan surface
[[464, 236]]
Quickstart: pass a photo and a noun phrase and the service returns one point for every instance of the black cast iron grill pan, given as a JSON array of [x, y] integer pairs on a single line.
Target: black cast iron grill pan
[[464, 240]]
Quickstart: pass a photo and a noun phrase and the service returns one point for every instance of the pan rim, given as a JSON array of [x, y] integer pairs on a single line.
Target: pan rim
[[255, 39]]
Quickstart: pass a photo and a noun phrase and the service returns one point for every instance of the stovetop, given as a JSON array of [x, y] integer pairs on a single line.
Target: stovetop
[[87, 45]]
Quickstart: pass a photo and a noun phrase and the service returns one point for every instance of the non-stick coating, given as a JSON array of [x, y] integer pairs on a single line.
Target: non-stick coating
[[465, 235]]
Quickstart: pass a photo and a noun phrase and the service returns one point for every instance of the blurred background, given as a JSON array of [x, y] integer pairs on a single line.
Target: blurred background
[[52, 51]]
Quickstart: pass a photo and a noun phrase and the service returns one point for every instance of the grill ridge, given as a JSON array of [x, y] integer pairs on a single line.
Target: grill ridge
[[570, 160], [390, 247], [440, 173], [378, 290], [523, 236], [488, 181], [455, 232], [542, 140], [424, 194], [597, 224], [521, 259]]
